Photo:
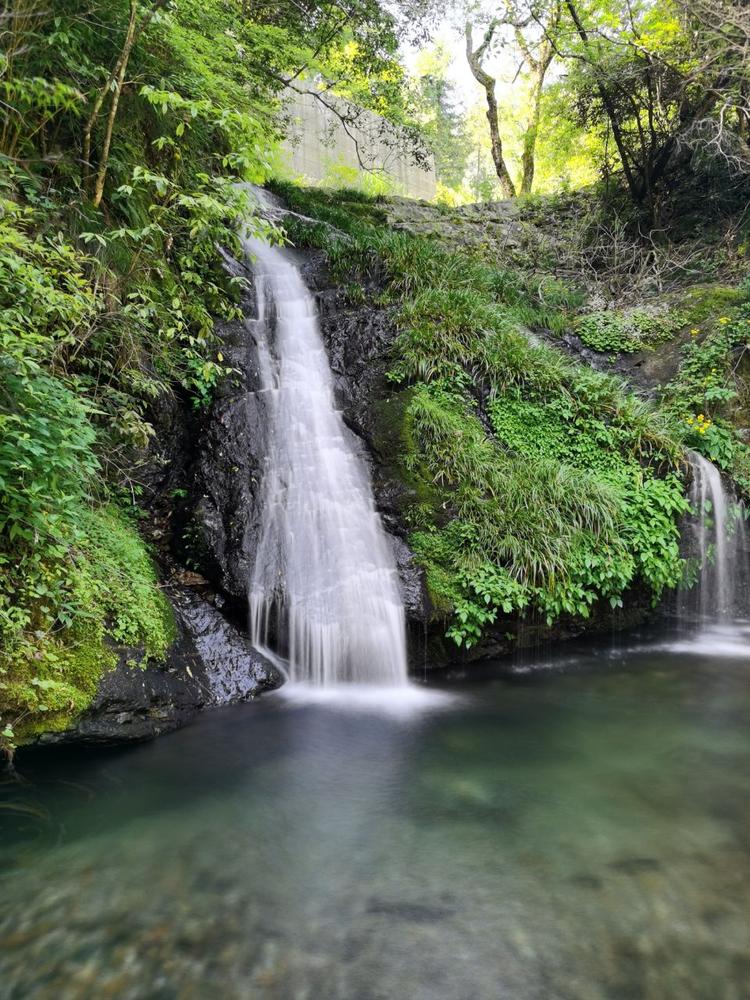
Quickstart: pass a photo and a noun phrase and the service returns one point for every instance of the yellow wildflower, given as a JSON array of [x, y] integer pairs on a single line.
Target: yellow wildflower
[[723, 320], [695, 331]]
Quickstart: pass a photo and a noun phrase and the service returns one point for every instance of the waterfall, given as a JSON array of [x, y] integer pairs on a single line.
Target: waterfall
[[719, 546], [324, 589]]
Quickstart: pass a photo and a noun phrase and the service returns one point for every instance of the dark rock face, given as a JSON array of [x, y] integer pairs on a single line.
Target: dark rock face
[[411, 582], [231, 668], [645, 371], [224, 529], [221, 530], [210, 664]]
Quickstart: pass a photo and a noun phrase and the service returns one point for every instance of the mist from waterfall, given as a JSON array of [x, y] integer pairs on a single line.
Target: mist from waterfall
[[324, 590]]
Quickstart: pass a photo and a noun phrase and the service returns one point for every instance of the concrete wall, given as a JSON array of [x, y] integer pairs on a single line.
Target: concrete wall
[[322, 150]]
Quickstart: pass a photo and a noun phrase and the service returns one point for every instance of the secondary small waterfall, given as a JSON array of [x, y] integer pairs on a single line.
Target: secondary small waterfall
[[719, 546], [324, 583]]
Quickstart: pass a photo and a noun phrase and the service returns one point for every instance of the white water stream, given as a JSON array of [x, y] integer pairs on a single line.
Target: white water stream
[[720, 546], [324, 582]]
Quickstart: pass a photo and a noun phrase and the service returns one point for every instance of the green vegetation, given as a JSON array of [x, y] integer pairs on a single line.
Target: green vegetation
[[67, 626], [102, 311], [651, 98], [630, 330], [709, 393], [574, 495]]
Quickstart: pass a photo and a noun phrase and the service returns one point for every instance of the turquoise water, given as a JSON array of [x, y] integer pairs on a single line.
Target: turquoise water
[[578, 828]]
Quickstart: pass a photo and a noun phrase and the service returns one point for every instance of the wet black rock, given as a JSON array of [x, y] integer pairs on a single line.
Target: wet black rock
[[223, 531], [411, 582], [232, 669], [210, 664], [220, 528]]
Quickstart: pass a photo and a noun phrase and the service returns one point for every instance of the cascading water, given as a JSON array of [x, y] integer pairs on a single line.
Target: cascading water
[[719, 547], [324, 582]]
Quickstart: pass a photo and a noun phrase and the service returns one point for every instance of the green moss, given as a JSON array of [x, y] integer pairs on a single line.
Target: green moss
[[708, 396], [702, 303], [122, 580], [642, 328], [50, 675]]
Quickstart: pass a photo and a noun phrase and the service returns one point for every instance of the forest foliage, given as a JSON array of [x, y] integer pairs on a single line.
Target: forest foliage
[[630, 91]]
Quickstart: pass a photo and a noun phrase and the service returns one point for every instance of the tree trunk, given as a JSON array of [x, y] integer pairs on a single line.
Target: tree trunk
[[113, 85], [633, 184], [538, 65], [475, 63], [18, 24], [127, 48], [506, 182], [528, 157]]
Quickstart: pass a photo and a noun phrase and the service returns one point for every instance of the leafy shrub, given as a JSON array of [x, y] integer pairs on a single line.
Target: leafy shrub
[[93, 327], [46, 433], [705, 391]]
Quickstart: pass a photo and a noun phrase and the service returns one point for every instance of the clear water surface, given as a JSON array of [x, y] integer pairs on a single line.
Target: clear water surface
[[579, 831]]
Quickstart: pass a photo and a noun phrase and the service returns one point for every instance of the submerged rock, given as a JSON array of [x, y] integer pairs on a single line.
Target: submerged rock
[[635, 866], [410, 912]]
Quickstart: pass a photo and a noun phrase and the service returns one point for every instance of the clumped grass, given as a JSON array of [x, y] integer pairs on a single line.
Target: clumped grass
[[539, 485], [524, 514]]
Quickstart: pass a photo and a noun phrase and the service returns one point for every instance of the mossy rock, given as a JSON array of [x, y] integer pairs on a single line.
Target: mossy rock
[[394, 442], [51, 677], [702, 303]]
